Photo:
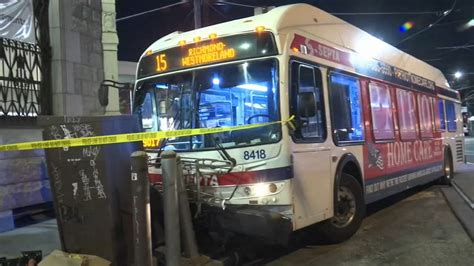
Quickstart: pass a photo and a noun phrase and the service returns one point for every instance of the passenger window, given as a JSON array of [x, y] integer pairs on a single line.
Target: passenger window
[[436, 114], [451, 116], [381, 109], [346, 108], [406, 114], [307, 103], [426, 124], [442, 118]]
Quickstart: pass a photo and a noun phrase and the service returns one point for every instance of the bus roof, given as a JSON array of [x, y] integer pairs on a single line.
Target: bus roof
[[320, 24]]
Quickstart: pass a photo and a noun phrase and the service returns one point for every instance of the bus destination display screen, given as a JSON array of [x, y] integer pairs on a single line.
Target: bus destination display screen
[[223, 49]]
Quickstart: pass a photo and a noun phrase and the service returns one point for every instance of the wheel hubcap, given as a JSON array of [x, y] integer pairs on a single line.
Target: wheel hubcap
[[345, 208]]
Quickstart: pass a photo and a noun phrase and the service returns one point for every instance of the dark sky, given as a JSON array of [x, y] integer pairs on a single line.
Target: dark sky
[[445, 44]]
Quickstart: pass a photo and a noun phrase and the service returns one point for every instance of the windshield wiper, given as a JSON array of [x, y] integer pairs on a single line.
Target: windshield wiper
[[224, 154]]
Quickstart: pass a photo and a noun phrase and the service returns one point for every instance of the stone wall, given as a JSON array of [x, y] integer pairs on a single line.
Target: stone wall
[[77, 60], [23, 176]]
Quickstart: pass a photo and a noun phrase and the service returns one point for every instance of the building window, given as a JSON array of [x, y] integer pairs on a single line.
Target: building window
[[346, 108], [381, 109]]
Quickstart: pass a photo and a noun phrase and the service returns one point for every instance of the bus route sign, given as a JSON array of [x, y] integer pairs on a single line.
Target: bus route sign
[[207, 52]]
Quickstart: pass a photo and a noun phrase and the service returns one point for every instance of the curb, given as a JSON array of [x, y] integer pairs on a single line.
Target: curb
[[461, 210]]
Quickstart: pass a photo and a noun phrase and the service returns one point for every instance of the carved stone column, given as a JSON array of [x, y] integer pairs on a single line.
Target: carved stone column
[[109, 44]]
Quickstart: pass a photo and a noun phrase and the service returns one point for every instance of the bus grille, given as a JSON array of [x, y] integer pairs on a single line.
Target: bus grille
[[459, 153]]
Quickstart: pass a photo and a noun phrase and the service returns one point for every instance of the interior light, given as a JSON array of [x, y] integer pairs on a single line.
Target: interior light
[[197, 39], [213, 36], [245, 45], [471, 23], [216, 81], [253, 87], [161, 86], [182, 42], [260, 29]]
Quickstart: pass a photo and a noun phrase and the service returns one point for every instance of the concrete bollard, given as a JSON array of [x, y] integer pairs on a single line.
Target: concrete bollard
[[171, 209], [140, 187]]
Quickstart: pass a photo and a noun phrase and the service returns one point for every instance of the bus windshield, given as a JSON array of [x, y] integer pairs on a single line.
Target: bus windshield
[[220, 96]]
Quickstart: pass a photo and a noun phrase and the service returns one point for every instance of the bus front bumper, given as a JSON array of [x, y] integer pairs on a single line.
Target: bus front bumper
[[254, 221]]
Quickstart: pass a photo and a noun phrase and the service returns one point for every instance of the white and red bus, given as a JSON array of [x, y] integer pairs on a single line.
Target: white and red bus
[[370, 120]]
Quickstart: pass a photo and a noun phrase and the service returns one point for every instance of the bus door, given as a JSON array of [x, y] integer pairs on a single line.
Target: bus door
[[311, 149]]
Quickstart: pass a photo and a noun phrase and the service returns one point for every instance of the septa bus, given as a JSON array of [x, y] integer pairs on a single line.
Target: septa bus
[[370, 120]]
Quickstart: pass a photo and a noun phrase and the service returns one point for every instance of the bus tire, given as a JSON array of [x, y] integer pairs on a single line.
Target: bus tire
[[447, 178], [349, 211]]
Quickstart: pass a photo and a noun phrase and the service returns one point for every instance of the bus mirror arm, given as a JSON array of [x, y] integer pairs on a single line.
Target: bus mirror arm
[[104, 89]]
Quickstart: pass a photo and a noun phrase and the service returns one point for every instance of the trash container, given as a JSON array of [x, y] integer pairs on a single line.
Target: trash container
[[91, 186]]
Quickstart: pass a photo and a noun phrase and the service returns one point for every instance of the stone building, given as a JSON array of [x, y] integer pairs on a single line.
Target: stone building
[[76, 50]]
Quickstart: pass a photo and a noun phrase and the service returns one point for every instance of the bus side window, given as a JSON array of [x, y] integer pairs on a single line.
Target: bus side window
[[451, 116], [442, 119], [424, 111], [346, 108], [307, 103], [406, 114], [381, 110]]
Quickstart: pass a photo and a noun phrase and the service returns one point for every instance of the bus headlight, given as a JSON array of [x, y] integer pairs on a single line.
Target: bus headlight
[[272, 188], [261, 190], [247, 191]]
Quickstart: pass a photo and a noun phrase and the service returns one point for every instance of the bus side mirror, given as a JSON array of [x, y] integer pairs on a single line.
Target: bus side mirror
[[306, 104], [103, 95]]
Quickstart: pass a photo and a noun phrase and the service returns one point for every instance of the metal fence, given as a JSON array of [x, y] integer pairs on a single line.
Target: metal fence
[[25, 78], [20, 78]]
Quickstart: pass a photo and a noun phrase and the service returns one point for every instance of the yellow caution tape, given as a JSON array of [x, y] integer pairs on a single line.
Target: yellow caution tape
[[130, 137]]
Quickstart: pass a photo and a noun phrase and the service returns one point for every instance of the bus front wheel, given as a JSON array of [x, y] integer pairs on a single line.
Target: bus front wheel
[[349, 211]]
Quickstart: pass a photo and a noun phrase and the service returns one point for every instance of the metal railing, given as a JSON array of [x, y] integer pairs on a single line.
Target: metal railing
[[20, 78]]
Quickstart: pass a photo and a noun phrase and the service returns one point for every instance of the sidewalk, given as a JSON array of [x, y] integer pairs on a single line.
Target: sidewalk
[[460, 197], [464, 183], [42, 236]]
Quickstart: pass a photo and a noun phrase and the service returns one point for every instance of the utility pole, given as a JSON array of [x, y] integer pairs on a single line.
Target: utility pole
[[197, 13]]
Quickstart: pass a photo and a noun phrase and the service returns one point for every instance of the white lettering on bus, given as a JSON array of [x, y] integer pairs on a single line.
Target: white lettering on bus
[[328, 52], [402, 153]]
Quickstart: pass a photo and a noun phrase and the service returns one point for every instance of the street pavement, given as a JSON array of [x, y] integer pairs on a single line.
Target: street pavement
[[460, 196], [418, 230]]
